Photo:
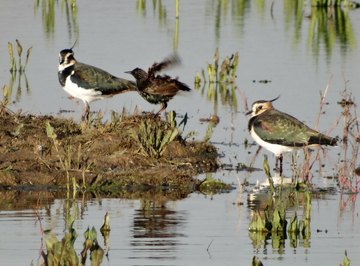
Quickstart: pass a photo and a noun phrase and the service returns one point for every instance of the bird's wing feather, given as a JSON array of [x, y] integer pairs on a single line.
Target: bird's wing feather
[[276, 127], [167, 62], [91, 77], [165, 86]]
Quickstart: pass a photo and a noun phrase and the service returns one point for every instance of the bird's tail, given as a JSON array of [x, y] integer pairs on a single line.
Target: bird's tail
[[322, 139]]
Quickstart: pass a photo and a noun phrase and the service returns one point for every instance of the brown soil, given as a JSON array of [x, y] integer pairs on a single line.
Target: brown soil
[[102, 155]]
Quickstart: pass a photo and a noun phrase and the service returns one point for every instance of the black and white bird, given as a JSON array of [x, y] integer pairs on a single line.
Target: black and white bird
[[88, 83], [280, 132]]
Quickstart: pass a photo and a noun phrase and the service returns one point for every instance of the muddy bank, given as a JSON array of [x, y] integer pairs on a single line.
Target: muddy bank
[[49, 151]]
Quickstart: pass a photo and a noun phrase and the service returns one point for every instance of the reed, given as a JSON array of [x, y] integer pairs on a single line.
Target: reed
[[348, 180]]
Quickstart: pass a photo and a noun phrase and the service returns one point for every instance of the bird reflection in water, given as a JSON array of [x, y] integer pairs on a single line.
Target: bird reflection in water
[[157, 230]]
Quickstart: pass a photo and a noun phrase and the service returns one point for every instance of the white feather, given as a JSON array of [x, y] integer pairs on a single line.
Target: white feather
[[274, 148], [86, 95]]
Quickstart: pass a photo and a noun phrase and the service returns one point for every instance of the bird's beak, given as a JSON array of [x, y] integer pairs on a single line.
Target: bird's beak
[[248, 113], [128, 72]]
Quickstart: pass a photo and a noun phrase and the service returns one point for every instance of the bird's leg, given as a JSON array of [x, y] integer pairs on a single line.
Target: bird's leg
[[278, 164], [86, 114], [163, 107], [281, 163]]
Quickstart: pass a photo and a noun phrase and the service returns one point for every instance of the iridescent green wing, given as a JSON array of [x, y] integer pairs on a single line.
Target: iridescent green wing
[[90, 77], [280, 128]]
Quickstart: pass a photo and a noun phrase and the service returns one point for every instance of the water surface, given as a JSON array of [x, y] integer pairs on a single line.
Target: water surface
[[299, 54]]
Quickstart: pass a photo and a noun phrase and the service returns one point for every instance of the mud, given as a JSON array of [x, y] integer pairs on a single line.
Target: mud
[[96, 156]]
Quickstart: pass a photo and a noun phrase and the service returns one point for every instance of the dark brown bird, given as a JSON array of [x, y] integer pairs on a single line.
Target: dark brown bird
[[158, 89]]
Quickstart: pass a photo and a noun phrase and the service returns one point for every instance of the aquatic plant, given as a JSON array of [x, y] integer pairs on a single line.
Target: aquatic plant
[[220, 80], [91, 244], [336, 3], [105, 229], [211, 186], [62, 252], [18, 66], [347, 176], [256, 262], [155, 136], [301, 227], [6, 96], [157, 5], [329, 23], [324, 32], [266, 168], [346, 261], [48, 14], [17, 71], [212, 121], [225, 74], [272, 221], [106, 224], [301, 168]]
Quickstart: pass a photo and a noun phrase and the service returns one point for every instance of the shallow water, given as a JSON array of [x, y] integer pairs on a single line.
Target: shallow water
[[198, 230], [276, 43]]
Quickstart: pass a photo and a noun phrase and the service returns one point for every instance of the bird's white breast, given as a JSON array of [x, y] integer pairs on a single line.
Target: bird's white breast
[[86, 95], [274, 148]]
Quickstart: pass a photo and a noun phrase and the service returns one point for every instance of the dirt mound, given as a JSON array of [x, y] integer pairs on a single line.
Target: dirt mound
[[50, 151]]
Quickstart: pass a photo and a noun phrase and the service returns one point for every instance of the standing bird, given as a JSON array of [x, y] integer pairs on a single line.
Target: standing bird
[[279, 132], [155, 88], [88, 83]]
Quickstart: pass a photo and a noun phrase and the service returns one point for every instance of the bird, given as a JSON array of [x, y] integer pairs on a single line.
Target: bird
[[158, 89], [88, 83], [279, 132]]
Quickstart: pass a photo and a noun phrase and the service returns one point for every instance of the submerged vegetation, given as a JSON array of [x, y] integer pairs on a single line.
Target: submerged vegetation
[[219, 81]]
